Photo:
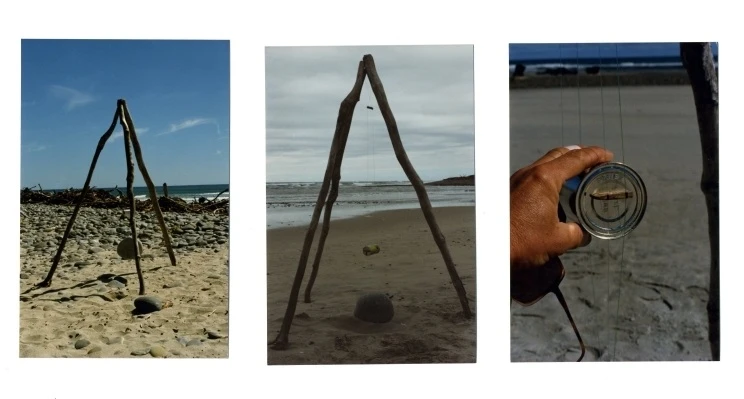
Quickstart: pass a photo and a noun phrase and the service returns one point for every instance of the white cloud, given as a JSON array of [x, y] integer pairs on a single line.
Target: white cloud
[[188, 123], [139, 130], [35, 147], [72, 98]]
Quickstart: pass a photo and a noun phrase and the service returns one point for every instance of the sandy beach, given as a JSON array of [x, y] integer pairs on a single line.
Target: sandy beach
[[646, 301], [88, 310], [428, 326]]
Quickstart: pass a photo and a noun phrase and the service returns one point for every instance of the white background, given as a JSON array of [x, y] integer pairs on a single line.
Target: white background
[[250, 26]]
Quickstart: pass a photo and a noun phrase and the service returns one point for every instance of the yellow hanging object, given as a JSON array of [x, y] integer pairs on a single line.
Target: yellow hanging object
[[371, 250]]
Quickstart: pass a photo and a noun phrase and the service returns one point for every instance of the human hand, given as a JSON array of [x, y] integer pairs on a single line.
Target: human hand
[[536, 232]]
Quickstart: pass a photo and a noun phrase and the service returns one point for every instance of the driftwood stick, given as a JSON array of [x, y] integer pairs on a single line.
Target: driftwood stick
[[101, 142], [698, 61], [221, 192], [150, 186], [413, 177], [345, 124], [345, 113], [130, 193]]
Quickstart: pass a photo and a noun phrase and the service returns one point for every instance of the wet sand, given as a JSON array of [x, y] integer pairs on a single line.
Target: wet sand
[[647, 301], [427, 327]]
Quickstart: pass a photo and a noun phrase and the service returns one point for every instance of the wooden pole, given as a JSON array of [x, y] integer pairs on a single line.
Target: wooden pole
[[343, 124], [165, 190], [101, 143], [150, 186], [413, 177], [699, 63], [130, 193], [356, 92]]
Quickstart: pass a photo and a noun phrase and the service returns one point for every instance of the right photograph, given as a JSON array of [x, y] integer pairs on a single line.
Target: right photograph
[[614, 202], [370, 205]]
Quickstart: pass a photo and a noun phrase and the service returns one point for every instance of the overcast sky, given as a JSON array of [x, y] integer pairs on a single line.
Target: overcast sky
[[430, 91]]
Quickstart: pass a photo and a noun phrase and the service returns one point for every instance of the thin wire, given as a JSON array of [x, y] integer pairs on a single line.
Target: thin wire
[[622, 250], [578, 90], [604, 141], [560, 55], [369, 96]]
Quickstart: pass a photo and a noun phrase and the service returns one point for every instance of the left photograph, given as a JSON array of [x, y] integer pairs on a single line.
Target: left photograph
[[124, 244]]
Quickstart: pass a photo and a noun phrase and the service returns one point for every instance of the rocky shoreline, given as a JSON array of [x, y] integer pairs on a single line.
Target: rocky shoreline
[[674, 77], [98, 230], [455, 181]]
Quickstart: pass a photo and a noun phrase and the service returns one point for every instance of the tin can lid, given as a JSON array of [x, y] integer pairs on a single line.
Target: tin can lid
[[611, 200]]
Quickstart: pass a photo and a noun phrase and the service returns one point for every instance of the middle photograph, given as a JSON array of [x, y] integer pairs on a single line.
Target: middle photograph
[[370, 205]]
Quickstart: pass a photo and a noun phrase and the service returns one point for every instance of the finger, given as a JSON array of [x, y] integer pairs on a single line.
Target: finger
[[555, 153], [575, 162], [569, 236]]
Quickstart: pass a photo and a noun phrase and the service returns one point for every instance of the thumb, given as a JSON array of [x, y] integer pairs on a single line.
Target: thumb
[[569, 236]]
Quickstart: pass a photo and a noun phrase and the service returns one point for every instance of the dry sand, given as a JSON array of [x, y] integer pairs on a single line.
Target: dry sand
[[428, 326], [663, 286], [84, 309]]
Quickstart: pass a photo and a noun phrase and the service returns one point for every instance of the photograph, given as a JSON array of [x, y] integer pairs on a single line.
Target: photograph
[[124, 254], [370, 205], [614, 202]]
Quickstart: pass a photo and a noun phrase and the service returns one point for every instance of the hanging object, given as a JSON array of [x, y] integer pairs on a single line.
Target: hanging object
[[371, 250], [368, 107], [608, 202]]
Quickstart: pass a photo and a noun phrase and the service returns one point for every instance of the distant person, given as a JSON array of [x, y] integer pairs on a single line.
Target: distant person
[[536, 232]]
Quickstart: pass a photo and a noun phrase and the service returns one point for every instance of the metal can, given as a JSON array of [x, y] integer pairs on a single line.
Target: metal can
[[609, 201]]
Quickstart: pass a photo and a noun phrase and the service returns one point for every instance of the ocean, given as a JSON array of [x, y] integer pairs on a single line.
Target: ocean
[[292, 204], [188, 193], [621, 56]]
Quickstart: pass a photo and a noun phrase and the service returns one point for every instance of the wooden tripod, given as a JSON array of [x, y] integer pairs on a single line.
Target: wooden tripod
[[130, 140], [332, 178]]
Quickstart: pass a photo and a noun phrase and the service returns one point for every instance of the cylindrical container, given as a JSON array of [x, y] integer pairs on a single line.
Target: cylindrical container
[[608, 202]]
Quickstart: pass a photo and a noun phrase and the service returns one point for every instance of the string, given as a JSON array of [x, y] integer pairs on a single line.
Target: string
[[560, 55], [369, 97], [578, 96], [604, 144], [578, 90], [622, 250]]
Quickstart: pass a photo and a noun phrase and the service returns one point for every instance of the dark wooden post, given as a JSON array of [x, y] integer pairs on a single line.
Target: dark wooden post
[[413, 177], [343, 124], [699, 63]]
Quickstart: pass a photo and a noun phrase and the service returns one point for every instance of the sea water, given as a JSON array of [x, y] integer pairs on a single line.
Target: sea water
[[188, 193], [293, 203], [621, 56]]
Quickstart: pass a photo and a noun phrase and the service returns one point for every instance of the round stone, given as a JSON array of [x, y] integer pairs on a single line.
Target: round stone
[[374, 308], [148, 304], [126, 248]]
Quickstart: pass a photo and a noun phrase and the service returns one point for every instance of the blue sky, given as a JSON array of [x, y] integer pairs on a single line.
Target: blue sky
[[178, 93]]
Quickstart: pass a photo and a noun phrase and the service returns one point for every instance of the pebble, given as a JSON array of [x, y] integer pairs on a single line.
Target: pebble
[[116, 340], [125, 249], [116, 284], [211, 334], [140, 352], [95, 230], [194, 342], [81, 343], [374, 308], [158, 351], [148, 304]]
